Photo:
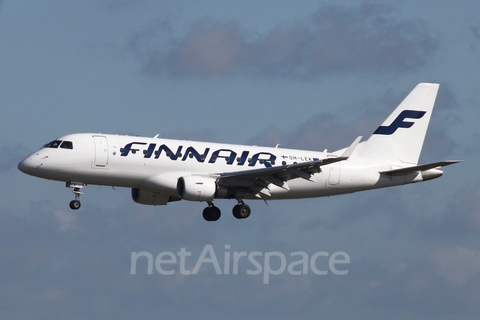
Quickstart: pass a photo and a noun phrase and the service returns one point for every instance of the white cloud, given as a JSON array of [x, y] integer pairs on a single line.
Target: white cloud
[[367, 38], [455, 264], [66, 220]]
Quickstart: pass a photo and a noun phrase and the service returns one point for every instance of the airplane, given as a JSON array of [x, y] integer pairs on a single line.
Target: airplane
[[160, 171]]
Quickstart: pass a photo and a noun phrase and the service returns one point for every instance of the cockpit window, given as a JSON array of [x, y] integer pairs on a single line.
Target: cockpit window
[[54, 144], [66, 145]]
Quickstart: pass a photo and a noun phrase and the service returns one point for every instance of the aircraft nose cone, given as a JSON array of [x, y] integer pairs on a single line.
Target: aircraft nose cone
[[28, 165], [25, 165]]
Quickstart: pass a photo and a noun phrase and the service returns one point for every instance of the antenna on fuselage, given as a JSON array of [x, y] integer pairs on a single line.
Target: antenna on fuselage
[[156, 136]]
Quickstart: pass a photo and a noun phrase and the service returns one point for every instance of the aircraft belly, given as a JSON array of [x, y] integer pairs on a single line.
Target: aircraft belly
[[352, 179]]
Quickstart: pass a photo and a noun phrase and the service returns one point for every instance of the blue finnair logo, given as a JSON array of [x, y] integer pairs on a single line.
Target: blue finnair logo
[[230, 156], [400, 122]]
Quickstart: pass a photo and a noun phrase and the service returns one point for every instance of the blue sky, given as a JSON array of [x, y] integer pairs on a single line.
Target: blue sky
[[305, 74]]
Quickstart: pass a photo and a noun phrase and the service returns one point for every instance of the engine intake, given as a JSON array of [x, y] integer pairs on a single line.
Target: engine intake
[[196, 188]]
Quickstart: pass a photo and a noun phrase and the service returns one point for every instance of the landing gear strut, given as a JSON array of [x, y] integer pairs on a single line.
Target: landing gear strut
[[211, 213], [76, 186], [241, 210]]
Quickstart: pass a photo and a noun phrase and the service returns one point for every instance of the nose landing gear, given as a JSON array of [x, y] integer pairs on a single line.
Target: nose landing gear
[[76, 187]]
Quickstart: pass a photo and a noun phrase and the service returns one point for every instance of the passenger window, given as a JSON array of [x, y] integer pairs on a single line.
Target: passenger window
[[54, 144], [66, 145]]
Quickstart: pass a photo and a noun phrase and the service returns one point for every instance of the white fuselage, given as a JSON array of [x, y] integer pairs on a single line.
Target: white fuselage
[[155, 165]]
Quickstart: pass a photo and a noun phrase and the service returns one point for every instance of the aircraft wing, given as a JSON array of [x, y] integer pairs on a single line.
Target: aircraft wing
[[259, 179]]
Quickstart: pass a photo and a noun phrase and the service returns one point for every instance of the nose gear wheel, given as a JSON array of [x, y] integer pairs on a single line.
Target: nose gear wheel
[[76, 187]]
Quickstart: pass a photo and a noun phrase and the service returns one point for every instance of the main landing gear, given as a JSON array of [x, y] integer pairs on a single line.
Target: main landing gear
[[240, 211], [211, 213], [76, 187]]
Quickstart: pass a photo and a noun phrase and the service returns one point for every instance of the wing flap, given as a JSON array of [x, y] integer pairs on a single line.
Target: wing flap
[[307, 175], [274, 180], [260, 191]]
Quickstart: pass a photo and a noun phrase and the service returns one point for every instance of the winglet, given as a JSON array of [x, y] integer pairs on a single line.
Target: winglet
[[350, 149], [346, 154]]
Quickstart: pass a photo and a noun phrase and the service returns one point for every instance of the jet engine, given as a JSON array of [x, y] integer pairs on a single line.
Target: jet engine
[[196, 188], [149, 198]]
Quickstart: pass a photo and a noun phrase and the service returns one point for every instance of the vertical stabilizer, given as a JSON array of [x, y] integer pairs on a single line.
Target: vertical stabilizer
[[401, 135]]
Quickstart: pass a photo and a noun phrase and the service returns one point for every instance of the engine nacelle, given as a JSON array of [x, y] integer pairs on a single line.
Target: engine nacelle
[[196, 188], [149, 198]]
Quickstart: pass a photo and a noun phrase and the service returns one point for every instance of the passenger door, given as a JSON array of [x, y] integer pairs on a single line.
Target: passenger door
[[101, 151]]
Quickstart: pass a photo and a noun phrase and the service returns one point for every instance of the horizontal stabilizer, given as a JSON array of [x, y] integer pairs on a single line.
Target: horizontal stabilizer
[[402, 171]]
